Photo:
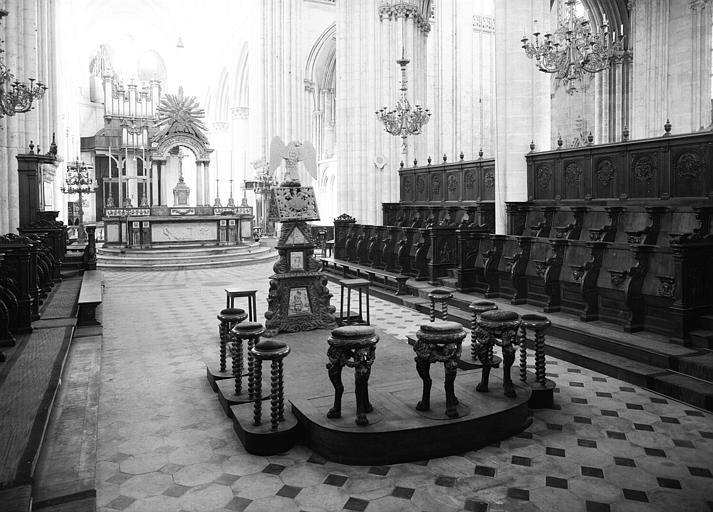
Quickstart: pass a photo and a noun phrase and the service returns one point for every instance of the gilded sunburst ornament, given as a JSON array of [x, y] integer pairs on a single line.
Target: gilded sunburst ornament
[[180, 114]]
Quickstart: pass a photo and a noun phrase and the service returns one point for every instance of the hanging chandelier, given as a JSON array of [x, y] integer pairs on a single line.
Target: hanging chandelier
[[16, 97], [79, 180], [574, 49], [403, 120]]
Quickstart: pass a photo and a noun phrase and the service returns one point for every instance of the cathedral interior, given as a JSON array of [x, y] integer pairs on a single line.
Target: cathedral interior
[[212, 212]]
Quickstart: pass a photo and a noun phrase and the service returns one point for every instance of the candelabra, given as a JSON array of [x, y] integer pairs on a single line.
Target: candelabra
[[16, 97], [264, 182], [79, 181], [403, 120], [574, 49]]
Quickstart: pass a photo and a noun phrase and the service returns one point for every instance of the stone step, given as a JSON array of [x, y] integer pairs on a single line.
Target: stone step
[[174, 250], [707, 322], [612, 365], [185, 257], [702, 338], [214, 262], [685, 388], [699, 366]]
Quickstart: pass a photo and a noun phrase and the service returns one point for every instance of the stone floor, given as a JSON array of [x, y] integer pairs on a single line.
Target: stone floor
[[166, 445]]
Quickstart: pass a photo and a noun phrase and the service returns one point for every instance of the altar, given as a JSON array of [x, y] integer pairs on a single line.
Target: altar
[[159, 226]]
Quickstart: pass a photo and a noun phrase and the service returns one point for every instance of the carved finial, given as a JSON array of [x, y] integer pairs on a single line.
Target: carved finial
[[53, 146], [462, 156], [590, 139], [532, 146], [429, 160], [401, 164], [415, 162], [445, 157], [667, 128], [625, 134], [480, 153], [39, 151], [32, 148], [559, 141]]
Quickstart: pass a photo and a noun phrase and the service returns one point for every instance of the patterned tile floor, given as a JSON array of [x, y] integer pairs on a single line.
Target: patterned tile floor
[[166, 445]]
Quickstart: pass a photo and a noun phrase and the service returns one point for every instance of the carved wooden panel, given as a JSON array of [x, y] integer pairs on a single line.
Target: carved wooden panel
[[643, 174], [544, 181], [606, 176], [408, 188], [436, 186], [421, 186], [688, 169], [488, 183], [454, 185], [661, 167], [573, 185], [470, 183]]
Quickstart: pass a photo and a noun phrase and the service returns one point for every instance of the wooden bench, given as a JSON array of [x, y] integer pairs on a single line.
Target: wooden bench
[[381, 277], [90, 296]]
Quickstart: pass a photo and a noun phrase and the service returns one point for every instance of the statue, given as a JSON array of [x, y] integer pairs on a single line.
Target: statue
[[294, 152]]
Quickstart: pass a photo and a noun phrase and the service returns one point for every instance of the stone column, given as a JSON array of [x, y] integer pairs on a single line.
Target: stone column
[[199, 183], [155, 190], [207, 201], [701, 55], [366, 66], [276, 34], [671, 66], [522, 103]]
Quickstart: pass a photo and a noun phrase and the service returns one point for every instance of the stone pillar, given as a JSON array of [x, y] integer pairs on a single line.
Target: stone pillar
[[522, 103], [206, 183], [671, 66], [366, 66], [199, 183], [276, 33]]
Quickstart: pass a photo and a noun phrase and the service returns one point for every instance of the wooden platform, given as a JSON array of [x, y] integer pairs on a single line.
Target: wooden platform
[[397, 431]]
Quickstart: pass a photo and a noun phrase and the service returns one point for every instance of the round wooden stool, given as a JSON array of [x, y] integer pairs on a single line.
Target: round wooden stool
[[476, 308], [439, 342], [250, 331], [228, 318], [353, 346], [542, 388], [500, 328], [442, 297]]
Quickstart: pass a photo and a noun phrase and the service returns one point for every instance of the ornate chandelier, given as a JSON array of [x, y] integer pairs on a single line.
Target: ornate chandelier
[[403, 120], [16, 97], [574, 49]]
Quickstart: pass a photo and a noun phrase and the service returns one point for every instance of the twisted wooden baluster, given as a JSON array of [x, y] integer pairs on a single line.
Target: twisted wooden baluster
[[523, 354], [237, 353], [252, 369], [281, 391], [223, 333], [540, 358], [473, 337], [274, 396], [257, 405]]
